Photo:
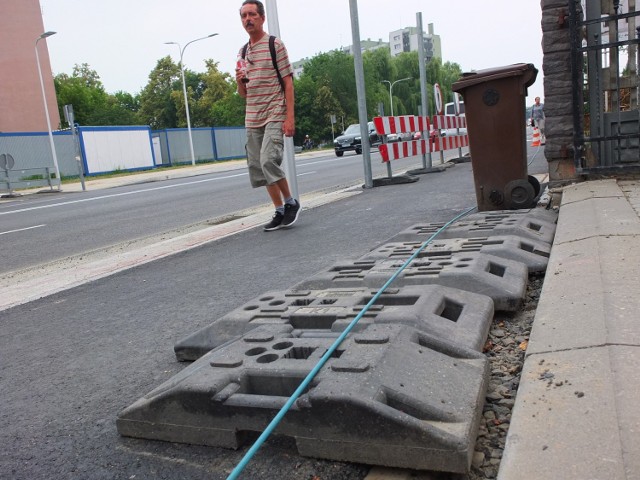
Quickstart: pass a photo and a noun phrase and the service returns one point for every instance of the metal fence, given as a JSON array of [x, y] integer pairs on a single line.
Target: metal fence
[[606, 87], [31, 150]]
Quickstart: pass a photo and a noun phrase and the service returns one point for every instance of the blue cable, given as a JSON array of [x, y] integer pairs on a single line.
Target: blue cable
[[276, 420]]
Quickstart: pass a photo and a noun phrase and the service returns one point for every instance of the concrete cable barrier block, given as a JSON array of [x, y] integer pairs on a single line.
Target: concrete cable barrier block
[[522, 223], [460, 316], [533, 253], [389, 395], [505, 281]]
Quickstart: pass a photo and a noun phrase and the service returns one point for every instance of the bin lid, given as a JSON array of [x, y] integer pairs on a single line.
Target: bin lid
[[469, 79]]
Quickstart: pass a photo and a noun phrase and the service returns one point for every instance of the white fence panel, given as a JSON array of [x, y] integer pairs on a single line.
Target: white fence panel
[[107, 149]]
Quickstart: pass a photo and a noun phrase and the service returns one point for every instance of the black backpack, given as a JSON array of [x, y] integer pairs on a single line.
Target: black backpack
[[272, 49]]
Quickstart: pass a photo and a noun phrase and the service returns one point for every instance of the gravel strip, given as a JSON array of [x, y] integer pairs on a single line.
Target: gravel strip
[[505, 348]]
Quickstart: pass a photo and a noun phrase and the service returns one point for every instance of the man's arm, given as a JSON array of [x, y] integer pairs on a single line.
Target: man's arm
[[289, 125]]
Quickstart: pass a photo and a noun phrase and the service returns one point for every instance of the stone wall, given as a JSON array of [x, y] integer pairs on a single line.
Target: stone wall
[[558, 90]]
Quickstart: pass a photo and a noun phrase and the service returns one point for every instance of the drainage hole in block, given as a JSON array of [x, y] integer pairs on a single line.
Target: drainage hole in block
[[328, 301], [335, 354], [251, 307], [450, 310], [299, 353], [276, 303], [255, 351], [526, 247], [266, 299], [392, 300], [268, 358], [302, 302], [282, 345], [535, 227], [497, 270], [313, 322]]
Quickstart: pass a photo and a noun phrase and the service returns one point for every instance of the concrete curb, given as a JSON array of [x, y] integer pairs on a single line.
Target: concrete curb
[[580, 381]]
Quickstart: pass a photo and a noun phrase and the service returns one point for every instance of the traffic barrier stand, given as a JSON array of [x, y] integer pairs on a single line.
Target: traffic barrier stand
[[405, 124], [389, 395], [530, 224], [441, 311], [533, 253], [535, 141], [505, 281]]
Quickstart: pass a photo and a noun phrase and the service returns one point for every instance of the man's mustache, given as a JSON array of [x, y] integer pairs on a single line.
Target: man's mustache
[[249, 24]]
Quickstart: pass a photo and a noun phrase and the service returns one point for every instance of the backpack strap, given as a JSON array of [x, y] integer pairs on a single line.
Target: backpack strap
[[272, 49]]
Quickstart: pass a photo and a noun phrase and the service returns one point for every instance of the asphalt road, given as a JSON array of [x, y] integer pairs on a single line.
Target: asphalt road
[[35, 229], [73, 360]]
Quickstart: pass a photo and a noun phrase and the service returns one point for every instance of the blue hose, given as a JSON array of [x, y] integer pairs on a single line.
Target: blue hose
[[303, 386]]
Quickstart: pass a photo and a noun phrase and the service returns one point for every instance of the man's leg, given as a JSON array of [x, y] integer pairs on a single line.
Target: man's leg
[[274, 190]]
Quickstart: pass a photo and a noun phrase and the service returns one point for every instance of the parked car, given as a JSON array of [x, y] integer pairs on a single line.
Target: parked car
[[352, 140]]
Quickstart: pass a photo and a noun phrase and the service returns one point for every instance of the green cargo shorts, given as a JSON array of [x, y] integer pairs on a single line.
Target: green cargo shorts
[[265, 147]]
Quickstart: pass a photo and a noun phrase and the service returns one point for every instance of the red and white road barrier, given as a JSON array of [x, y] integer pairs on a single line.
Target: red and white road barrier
[[411, 124]]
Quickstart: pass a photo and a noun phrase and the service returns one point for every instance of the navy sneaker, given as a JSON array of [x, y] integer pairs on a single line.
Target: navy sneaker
[[291, 213], [275, 223]]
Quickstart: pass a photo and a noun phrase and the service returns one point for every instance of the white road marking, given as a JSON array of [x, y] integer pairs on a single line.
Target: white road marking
[[70, 202], [22, 229]]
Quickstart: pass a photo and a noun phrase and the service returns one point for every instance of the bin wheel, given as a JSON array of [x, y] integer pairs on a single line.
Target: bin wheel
[[535, 184], [519, 194]]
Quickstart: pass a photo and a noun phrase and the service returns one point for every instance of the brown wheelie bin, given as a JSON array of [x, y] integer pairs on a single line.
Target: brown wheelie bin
[[495, 111]]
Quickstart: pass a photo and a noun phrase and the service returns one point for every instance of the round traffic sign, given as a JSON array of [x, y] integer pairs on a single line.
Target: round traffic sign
[[438, 97]]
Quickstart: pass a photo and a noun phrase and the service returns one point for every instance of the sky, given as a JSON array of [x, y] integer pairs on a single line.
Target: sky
[[122, 40]]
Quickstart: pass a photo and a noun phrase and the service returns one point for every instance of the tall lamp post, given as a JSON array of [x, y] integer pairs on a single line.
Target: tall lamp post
[[391, 89], [46, 110], [184, 90]]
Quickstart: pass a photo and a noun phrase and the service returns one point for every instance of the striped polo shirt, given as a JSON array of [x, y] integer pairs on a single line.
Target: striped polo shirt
[[265, 98]]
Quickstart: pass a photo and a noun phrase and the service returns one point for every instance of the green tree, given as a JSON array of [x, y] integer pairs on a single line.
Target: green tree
[[219, 104], [157, 106], [84, 90]]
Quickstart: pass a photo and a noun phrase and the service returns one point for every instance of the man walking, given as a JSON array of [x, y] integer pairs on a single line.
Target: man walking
[[265, 79], [538, 118]]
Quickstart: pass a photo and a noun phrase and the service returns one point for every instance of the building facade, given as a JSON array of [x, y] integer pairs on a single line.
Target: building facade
[[21, 102], [406, 40]]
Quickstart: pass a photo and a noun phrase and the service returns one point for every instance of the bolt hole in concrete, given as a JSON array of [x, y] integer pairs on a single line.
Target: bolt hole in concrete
[[255, 351]]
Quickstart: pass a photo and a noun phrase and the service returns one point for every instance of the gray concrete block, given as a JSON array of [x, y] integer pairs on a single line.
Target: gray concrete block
[[505, 281], [390, 396], [576, 417], [606, 188], [597, 217], [590, 296], [535, 223], [460, 316], [533, 253]]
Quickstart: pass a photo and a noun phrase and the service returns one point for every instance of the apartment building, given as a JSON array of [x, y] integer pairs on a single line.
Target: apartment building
[[21, 102]]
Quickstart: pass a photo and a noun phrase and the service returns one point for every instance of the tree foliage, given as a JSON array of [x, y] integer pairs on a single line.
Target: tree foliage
[[326, 89]]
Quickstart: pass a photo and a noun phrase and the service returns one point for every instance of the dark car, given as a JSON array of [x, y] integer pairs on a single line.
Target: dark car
[[351, 139]]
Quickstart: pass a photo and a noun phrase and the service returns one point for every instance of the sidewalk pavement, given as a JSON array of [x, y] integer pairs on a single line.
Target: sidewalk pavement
[[576, 413]]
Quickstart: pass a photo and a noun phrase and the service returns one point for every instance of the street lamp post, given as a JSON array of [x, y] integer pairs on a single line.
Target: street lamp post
[[184, 90], [46, 110], [391, 90]]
